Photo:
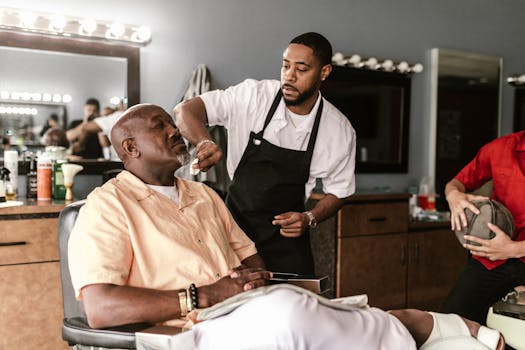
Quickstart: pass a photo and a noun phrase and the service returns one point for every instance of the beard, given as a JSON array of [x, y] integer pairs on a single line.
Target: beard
[[301, 97], [184, 158]]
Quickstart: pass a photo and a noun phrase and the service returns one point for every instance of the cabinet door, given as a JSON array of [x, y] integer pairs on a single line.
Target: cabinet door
[[435, 260], [376, 266], [31, 307]]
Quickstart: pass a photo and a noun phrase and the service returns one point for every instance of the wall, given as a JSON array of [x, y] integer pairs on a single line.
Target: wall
[[238, 39]]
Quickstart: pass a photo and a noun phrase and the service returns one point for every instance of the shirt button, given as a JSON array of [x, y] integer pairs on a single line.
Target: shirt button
[[218, 276], [199, 241]]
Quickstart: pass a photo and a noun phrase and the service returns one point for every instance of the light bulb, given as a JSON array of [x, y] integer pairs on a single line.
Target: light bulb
[[115, 30], [57, 98], [402, 67], [387, 65], [115, 100], [66, 98], [46, 97], [57, 23], [142, 34], [87, 26], [417, 68], [26, 96], [4, 95], [354, 59], [27, 19], [371, 63], [337, 58]]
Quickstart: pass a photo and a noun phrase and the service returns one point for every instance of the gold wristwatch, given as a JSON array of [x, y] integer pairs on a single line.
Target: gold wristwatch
[[312, 222]]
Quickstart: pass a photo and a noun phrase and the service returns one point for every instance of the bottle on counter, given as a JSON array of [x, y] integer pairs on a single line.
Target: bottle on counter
[[31, 178], [59, 189], [427, 196], [43, 177], [11, 163], [2, 184]]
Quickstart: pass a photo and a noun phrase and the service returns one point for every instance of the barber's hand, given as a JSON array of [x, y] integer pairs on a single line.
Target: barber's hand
[[238, 280], [208, 154], [458, 202], [497, 248], [293, 224]]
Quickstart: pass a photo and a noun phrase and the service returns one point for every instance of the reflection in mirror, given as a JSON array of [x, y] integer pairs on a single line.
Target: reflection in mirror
[[467, 110], [29, 75], [519, 109], [377, 104]]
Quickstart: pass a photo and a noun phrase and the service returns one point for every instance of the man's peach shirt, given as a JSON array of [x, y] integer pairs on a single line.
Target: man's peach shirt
[[129, 234]]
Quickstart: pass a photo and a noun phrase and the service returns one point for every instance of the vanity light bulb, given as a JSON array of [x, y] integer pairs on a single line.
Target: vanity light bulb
[[87, 26], [57, 98], [520, 79], [354, 59], [4, 95], [46, 97], [371, 63], [34, 111], [338, 58], [57, 23], [116, 30], [16, 95], [402, 67], [387, 65], [66, 98], [36, 96], [143, 33], [417, 68], [26, 96], [27, 20]]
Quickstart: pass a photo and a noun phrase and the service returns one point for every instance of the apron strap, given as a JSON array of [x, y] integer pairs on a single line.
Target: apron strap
[[313, 135], [274, 106]]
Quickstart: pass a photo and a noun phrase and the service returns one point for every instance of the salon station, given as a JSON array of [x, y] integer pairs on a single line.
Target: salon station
[[425, 86]]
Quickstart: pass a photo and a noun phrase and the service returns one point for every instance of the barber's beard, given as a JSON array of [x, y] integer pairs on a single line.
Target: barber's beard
[[301, 97], [184, 158]]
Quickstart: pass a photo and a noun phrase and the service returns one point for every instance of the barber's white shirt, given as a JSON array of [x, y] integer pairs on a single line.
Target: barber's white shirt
[[242, 108]]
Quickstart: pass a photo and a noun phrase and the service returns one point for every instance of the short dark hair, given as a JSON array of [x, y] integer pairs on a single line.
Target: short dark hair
[[54, 116], [94, 102], [318, 43]]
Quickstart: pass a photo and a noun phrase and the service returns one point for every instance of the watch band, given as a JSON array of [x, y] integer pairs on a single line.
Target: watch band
[[312, 222]]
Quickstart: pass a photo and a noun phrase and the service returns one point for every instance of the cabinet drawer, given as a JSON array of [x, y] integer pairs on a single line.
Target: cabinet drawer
[[373, 218], [33, 240]]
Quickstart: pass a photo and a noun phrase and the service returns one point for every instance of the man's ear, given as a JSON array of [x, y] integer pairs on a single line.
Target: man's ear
[[130, 148], [325, 71]]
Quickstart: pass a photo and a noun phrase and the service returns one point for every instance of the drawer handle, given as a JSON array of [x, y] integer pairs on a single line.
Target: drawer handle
[[377, 219], [7, 244]]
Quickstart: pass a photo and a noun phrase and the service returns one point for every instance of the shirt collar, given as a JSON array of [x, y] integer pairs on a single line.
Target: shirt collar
[[141, 191], [281, 116]]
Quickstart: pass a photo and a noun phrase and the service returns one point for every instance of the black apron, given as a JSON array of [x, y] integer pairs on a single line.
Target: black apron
[[268, 181]]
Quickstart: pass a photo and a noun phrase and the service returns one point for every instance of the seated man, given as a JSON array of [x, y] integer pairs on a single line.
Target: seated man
[[144, 237]]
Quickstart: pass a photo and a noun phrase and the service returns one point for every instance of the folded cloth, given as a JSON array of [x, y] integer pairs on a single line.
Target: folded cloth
[[230, 304], [451, 332]]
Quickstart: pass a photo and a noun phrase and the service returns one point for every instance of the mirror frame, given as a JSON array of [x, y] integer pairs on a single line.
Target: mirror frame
[[84, 47]]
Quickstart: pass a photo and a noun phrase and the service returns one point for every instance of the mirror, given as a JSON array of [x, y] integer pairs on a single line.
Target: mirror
[[466, 115], [377, 104], [34, 63]]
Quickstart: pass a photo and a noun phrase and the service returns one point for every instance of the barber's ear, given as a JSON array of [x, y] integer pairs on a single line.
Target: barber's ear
[[325, 71], [131, 148]]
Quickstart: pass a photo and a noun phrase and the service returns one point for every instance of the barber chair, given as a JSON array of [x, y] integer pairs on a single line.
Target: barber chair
[[508, 317], [75, 329]]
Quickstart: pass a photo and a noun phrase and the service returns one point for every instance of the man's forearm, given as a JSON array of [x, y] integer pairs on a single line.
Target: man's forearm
[[110, 305], [327, 206], [454, 185], [191, 119]]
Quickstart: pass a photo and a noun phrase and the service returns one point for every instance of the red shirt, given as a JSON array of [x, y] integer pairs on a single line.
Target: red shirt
[[503, 162]]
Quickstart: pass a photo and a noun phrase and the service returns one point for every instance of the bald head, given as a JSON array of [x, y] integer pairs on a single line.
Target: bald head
[[130, 121]]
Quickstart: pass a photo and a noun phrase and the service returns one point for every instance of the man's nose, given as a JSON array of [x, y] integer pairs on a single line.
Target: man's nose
[[290, 74]]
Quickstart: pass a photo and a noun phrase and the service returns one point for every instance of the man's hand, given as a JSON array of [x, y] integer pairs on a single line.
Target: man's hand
[[293, 224], [458, 202], [208, 154], [497, 248], [237, 281]]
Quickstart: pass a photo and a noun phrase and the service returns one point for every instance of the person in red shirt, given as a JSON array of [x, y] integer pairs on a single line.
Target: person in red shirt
[[497, 265]]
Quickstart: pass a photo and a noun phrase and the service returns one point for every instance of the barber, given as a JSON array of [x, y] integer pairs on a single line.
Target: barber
[[281, 137]]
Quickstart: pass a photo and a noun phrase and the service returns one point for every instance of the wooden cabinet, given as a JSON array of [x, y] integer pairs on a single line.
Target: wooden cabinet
[[435, 260], [397, 264], [30, 290]]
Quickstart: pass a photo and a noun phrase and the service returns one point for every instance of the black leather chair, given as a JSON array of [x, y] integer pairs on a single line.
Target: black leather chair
[[75, 329]]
